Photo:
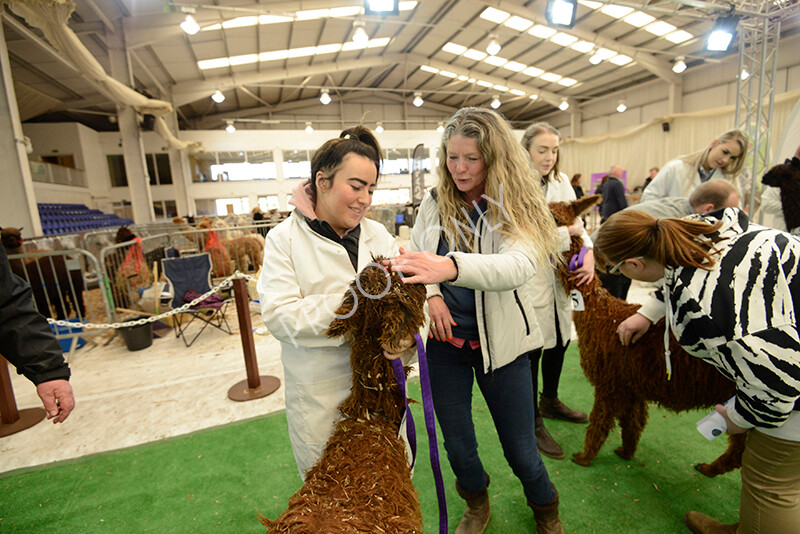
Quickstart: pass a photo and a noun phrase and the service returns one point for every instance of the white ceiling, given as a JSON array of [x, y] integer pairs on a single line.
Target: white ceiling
[[408, 57]]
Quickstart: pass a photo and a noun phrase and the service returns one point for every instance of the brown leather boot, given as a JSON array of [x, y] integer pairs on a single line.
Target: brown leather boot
[[476, 516], [702, 524], [547, 445], [546, 516], [555, 409]]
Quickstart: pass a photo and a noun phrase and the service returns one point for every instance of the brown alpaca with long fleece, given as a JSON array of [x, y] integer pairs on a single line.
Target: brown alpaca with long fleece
[[626, 378], [362, 482]]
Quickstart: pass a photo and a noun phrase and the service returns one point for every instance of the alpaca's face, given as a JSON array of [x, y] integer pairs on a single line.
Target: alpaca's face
[[12, 238], [379, 308]]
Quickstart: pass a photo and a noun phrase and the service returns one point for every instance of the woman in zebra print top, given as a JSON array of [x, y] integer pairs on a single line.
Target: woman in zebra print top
[[729, 298]]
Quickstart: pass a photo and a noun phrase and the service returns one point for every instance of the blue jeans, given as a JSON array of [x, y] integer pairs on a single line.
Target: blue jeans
[[509, 396]]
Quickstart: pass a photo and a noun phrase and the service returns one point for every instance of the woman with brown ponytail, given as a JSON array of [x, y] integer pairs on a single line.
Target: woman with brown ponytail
[[728, 296], [309, 261]]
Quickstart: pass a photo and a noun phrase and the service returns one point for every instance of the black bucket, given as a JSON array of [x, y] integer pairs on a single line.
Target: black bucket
[[137, 337]]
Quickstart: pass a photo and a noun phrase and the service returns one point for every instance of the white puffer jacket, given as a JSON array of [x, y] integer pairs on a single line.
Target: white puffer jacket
[[507, 324]]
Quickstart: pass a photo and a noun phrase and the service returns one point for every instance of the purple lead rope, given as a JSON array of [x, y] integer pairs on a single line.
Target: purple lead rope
[[430, 425]]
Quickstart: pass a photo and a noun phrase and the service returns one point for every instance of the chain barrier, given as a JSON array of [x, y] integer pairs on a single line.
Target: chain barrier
[[224, 284]]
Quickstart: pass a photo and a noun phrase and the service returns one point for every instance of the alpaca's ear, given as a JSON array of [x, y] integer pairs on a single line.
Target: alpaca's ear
[[584, 204], [346, 316]]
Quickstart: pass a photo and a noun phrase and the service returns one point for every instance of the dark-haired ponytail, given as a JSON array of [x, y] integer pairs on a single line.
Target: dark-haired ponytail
[[357, 140]]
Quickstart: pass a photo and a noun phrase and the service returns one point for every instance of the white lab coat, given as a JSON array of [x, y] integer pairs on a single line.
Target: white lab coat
[[546, 287], [302, 283], [507, 325], [676, 179]]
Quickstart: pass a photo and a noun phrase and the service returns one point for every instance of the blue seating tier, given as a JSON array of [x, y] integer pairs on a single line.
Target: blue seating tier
[[60, 219]]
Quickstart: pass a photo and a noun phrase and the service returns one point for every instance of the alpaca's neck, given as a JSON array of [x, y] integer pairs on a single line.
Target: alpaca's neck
[[374, 390], [790, 193]]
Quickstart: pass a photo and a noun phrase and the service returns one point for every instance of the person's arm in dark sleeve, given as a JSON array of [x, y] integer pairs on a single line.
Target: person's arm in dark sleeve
[[26, 340]]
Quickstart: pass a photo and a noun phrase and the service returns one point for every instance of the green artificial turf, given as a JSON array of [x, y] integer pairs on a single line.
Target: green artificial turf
[[218, 479]]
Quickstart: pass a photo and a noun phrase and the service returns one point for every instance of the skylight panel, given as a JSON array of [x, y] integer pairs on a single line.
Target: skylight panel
[[428, 68], [477, 55], [639, 19], [213, 63], [407, 6], [659, 28], [494, 15], [497, 61], [447, 73], [379, 42], [311, 14], [240, 22], [533, 72], [517, 92], [515, 66], [454, 48], [329, 48], [584, 47], [484, 83], [550, 77], [678, 36], [273, 19], [463, 78], [244, 59], [567, 82], [620, 59], [616, 11], [591, 4], [518, 23], [604, 53], [303, 51], [563, 39], [542, 32], [500, 88], [346, 11], [273, 55]]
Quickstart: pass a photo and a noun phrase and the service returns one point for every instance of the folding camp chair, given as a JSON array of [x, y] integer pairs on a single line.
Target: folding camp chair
[[192, 276]]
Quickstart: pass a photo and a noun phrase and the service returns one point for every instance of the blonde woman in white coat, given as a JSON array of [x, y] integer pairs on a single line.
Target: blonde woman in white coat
[[478, 238], [723, 158], [309, 261], [553, 307]]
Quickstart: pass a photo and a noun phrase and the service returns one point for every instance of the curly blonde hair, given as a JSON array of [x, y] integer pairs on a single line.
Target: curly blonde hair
[[516, 202]]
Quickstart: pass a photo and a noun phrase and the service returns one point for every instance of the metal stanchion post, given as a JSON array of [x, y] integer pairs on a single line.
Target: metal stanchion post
[[255, 386]]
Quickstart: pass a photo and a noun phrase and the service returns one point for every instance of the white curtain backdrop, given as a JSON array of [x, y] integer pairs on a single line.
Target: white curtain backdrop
[[639, 148]]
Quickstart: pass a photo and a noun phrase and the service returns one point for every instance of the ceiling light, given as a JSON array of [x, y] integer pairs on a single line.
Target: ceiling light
[[454, 48], [382, 7], [679, 66], [189, 25], [418, 100], [493, 48], [621, 107], [360, 34], [218, 97], [440, 128], [744, 74], [561, 13], [230, 128], [379, 128], [494, 15], [564, 105], [534, 96], [325, 97], [309, 129], [495, 102], [722, 34]]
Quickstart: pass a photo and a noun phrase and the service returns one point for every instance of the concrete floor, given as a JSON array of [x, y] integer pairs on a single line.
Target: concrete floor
[[128, 398]]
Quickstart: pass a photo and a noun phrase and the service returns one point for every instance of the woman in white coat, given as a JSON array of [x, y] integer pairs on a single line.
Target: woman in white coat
[[479, 236], [723, 158], [553, 307], [309, 261]]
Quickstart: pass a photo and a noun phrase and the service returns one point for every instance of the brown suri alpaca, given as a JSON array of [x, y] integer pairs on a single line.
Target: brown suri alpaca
[[245, 251], [626, 378], [362, 482], [220, 258], [787, 177], [127, 269], [55, 287]]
